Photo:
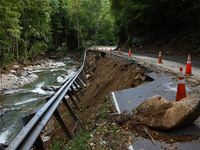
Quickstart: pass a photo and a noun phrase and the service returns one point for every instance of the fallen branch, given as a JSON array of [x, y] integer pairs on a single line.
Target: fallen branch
[[74, 130], [149, 136]]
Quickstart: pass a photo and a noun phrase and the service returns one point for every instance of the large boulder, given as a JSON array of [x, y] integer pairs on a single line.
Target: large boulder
[[60, 80], [25, 73], [15, 67], [157, 112]]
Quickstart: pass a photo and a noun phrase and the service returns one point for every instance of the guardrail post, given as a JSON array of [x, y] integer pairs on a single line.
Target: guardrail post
[[72, 99], [74, 92], [83, 78], [77, 88], [29, 134], [80, 78], [69, 109], [79, 82], [39, 144], [62, 124]]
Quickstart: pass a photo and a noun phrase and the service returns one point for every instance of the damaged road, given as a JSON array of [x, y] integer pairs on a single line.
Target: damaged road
[[132, 83], [164, 83]]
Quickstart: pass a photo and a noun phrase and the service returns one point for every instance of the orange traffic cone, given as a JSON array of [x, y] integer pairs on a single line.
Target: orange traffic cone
[[110, 49], [119, 51], [188, 70], [97, 48], [105, 49], [129, 54], [181, 93], [102, 48], [160, 58]]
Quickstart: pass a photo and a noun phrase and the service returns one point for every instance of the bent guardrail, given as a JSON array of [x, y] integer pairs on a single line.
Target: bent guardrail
[[31, 132]]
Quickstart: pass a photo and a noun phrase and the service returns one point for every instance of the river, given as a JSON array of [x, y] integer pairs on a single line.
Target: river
[[27, 100]]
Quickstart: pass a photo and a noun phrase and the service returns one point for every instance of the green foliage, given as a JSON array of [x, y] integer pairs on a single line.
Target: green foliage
[[29, 28], [92, 21], [62, 50], [9, 29], [85, 135], [106, 105], [138, 21], [36, 33], [58, 144], [78, 143]]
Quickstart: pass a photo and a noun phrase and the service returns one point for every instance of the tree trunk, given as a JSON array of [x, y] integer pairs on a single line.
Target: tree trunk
[[33, 55], [78, 21], [25, 46], [17, 49], [2, 55], [25, 49], [66, 39], [97, 27]]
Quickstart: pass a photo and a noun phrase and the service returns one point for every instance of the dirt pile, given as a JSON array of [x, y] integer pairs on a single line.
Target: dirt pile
[[129, 123], [159, 113]]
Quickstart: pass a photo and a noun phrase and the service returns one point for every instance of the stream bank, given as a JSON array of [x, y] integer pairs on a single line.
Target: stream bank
[[20, 98]]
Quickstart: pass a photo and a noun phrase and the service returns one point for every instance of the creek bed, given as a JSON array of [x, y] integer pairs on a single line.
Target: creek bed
[[22, 102]]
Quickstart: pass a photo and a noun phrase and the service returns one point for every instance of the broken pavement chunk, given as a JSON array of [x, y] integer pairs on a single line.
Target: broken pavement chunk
[[157, 112]]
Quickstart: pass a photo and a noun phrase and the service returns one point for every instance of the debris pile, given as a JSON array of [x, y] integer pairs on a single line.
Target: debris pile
[[157, 112]]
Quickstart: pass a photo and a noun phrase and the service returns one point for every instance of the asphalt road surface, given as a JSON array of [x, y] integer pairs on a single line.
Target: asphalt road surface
[[163, 85]]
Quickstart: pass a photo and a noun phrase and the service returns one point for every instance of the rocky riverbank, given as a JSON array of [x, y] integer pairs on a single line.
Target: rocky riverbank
[[20, 76]]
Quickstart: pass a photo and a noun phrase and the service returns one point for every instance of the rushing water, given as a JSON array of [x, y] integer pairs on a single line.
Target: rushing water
[[26, 101]]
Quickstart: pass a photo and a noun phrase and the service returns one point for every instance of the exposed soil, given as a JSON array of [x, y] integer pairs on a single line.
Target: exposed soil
[[129, 123], [105, 74]]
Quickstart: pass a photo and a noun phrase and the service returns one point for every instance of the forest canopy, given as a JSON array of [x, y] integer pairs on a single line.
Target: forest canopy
[[140, 21], [31, 27]]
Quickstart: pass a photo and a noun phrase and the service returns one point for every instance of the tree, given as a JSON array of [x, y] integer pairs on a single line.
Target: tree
[[89, 21], [149, 20], [9, 29], [36, 32]]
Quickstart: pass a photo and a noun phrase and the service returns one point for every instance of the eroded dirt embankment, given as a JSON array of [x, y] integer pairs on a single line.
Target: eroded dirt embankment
[[105, 74], [110, 73]]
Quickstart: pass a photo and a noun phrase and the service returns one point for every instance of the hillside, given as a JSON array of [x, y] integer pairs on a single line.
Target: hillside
[[177, 46]]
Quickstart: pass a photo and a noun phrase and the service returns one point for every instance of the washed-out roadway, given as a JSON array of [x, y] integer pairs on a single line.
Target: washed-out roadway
[[161, 84]]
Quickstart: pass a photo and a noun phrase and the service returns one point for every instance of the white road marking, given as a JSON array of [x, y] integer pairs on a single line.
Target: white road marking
[[130, 147], [117, 107], [116, 104]]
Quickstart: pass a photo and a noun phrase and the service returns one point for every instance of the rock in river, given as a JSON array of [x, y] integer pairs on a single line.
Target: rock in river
[[157, 112], [25, 73]]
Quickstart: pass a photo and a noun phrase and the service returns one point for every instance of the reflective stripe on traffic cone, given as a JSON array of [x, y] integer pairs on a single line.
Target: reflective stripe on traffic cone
[[188, 70], [119, 50], [160, 58], [181, 93], [129, 54]]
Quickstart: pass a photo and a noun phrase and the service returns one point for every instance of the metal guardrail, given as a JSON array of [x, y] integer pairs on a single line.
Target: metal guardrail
[[31, 132]]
